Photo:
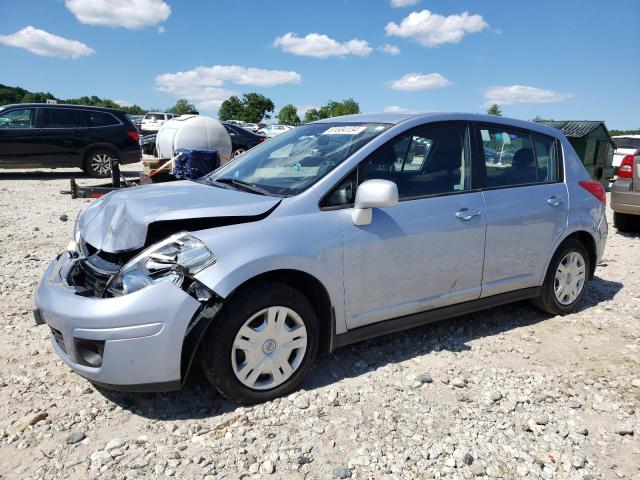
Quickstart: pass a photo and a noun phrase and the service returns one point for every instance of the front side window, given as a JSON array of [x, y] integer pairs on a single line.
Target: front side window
[[59, 118], [293, 161], [508, 156], [22, 118], [430, 160]]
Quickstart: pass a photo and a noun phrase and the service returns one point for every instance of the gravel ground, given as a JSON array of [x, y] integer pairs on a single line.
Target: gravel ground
[[506, 393]]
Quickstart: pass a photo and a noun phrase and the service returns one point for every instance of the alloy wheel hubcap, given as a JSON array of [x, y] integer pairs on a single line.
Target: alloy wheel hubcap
[[269, 348], [238, 152], [570, 277], [101, 163]]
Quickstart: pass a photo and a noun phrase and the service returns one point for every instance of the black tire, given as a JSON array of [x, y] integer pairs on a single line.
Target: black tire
[[216, 349], [626, 223], [96, 163], [547, 301], [237, 152]]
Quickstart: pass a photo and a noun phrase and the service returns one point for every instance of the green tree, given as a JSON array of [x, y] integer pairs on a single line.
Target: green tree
[[332, 109], [288, 115], [312, 115], [253, 108], [256, 107], [231, 109], [182, 107], [494, 110]]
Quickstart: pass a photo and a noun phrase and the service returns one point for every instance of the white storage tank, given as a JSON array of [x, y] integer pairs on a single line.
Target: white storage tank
[[193, 132]]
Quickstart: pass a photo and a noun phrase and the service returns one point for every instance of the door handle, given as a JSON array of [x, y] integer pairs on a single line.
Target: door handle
[[554, 201], [467, 213]]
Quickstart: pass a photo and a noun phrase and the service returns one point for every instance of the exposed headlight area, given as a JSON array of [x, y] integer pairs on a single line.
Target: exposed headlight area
[[176, 259]]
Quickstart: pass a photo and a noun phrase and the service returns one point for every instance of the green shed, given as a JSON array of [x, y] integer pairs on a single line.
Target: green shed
[[592, 143]]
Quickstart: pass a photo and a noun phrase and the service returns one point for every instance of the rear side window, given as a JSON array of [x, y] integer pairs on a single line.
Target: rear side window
[[60, 118], [627, 142], [22, 118], [547, 158], [509, 157], [101, 119]]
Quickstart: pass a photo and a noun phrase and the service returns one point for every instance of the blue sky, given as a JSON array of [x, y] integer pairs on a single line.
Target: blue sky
[[569, 59]]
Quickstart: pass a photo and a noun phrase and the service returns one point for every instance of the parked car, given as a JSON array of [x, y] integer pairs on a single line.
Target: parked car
[[136, 120], [34, 135], [274, 130], [625, 191], [241, 139], [625, 145], [152, 121], [148, 144], [252, 127], [331, 233]]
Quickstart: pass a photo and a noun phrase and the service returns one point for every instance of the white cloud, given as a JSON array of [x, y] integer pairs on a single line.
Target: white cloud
[[390, 49], [413, 82], [397, 109], [131, 14], [123, 103], [205, 85], [46, 44], [430, 29], [321, 46], [404, 3], [522, 94]]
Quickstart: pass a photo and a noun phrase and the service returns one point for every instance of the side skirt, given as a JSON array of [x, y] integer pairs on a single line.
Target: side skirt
[[418, 319]]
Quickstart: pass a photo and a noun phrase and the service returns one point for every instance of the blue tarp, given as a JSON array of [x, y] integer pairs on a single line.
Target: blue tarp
[[192, 164]]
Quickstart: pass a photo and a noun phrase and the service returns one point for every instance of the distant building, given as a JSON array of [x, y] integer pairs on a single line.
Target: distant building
[[593, 144]]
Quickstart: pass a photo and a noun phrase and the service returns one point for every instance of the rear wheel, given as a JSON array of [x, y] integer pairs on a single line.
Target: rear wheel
[[238, 151], [626, 223], [566, 280], [262, 345], [98, 163]]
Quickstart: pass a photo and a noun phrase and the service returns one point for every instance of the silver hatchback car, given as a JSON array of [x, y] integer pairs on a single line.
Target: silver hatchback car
[[334, 232]]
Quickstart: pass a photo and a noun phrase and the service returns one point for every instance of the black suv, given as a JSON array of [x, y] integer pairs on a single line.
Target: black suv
[[43, 135]]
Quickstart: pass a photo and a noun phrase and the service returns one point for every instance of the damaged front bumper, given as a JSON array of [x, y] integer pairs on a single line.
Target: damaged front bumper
[[132, 343]]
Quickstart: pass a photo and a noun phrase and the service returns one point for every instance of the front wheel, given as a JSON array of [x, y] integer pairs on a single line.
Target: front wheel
[[262, 345], [98, 163], [566, 280]]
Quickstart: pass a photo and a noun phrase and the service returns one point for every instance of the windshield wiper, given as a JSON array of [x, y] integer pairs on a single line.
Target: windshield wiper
[[242, 185]]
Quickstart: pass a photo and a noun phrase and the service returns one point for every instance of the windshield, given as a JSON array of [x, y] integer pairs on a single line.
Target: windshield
[[627, 142], [293, 161], [154, 116]]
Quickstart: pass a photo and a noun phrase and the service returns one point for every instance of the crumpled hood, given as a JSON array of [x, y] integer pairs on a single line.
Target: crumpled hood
[[119, 221]]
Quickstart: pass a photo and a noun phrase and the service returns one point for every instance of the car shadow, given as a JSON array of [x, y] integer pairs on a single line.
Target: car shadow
[[62, 175], [198, 400]]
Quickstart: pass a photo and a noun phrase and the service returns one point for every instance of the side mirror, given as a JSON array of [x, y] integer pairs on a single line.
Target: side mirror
[[373, 194]]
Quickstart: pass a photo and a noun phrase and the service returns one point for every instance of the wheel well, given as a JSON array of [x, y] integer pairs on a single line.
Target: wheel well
[[589, 243], [311, 288], [97, 148]]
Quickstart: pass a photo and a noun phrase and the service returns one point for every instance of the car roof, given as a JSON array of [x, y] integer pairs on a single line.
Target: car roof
[[625, 136], [61, 105], [398, 118]]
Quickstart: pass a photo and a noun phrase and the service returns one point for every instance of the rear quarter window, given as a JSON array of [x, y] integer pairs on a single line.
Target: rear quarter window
[[102, 119]]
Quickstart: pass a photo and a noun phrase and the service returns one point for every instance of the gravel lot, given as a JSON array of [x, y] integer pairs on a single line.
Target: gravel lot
[[506, 393]]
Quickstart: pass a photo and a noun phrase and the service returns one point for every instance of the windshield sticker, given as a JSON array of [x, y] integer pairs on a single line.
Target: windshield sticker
[[346, 130]]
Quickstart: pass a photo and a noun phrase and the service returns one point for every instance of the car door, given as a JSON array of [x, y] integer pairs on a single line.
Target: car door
[[427, 251], [17, 132], [526, 205], [62, 137]]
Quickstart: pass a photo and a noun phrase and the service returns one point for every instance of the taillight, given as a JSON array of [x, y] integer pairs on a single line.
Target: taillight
[[261, 139], [626, 167], [596, 189], [133, 134]]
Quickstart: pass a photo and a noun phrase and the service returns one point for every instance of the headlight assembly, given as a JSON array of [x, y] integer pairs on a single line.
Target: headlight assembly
[[172, 260]]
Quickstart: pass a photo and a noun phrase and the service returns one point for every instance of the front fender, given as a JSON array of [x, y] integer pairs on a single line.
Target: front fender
[[309, 243]]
